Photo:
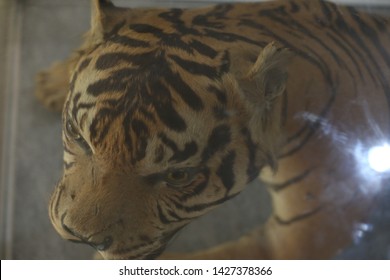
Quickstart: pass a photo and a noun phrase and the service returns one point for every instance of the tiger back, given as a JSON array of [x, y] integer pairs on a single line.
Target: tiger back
[[171, 112]]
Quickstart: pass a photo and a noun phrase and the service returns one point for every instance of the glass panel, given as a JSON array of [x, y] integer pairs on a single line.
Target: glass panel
[[31, 161]]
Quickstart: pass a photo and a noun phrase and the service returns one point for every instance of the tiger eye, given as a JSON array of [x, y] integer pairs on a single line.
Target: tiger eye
[[178, 175], [178, 178], [72, 131]]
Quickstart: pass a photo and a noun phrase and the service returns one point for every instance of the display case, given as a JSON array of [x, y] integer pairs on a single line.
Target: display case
[[33, 34]]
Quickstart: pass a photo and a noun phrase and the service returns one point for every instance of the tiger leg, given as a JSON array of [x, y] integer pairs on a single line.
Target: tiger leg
[[252, 245], [316, 237], [52, 85]]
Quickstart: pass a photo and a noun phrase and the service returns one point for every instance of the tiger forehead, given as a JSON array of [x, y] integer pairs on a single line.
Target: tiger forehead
[[153, 79], [157, 89], [141, 67]]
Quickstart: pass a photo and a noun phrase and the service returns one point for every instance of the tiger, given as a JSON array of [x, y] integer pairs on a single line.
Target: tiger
[[168, 113]]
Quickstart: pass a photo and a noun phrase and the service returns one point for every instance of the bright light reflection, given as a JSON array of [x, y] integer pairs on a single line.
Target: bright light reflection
[[372, 169], [379, 158], [360, 230]]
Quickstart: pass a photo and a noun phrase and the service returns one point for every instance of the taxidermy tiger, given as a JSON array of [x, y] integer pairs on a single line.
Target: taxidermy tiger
[[168, 113]]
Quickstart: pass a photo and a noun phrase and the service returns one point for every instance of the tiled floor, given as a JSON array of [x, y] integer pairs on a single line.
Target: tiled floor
[[31, 161]]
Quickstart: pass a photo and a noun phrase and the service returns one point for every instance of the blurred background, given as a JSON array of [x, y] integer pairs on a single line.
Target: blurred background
[[33, 34]]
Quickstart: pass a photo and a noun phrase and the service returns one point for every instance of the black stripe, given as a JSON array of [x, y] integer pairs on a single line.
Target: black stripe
[[163, 219], [203, 49], [226, 170], [159, 154], [164, 216], [196, 68], [202, 206], [299, 133], [114, 37], [76, 97], [231, 37], [101, 124], [109, 60], [294, 7], [221, 10], [84, 105], [219, 138], [66, 149], [142, 62], [225, 64], [146, 28], [276, 187], [284, 113], [184, 90], [173, 16], [297, 218], [141, 130], [139, 127], [167, 141], [148, 115], [204, 20], [312, 128], [163, 104], [60, 189], [190, 149], [84, 64], [198, 189], [175, 216], [220, 94], [252, 170], [73, 81], [325, 10], [115, 83], [173, 40], [128, 42]]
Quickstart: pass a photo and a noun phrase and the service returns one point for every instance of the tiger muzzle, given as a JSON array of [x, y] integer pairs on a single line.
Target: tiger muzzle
[[100, 246]]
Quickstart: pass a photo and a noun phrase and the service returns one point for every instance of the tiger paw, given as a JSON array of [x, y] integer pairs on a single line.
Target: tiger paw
[[52, 86]]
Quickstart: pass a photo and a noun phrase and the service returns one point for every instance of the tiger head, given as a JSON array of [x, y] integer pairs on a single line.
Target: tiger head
[[155, 137]]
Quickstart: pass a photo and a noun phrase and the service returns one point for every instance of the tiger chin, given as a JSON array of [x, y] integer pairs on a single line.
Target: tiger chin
[[168, 113]]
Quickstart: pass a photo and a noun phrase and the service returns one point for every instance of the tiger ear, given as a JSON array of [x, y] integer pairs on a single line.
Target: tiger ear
[[101, 19], [263, 87], [266, 80]]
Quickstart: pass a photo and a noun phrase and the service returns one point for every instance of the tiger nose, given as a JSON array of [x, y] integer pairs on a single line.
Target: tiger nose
[[98, 246], [79, 238]]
